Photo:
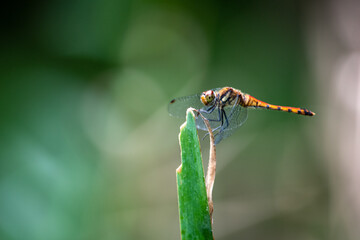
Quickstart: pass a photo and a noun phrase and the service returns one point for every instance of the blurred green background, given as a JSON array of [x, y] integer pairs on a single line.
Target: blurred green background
[[88, 151]]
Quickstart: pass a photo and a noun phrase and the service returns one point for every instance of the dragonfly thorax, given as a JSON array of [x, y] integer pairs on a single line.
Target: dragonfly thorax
[[208, 97]]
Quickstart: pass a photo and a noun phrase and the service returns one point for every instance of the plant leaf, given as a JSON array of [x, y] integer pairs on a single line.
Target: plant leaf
[[194, 214]]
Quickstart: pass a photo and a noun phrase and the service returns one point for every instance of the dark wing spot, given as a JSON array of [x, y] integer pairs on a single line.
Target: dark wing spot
[[278, 108], [289, 110], [299, 112], [172, 101], [267, 106]]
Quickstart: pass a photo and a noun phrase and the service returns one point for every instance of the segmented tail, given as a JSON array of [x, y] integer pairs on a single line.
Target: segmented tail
[[253, 102]]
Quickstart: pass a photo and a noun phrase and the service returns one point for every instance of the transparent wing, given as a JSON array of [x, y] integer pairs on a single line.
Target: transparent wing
[[236, 117], [178, 106]]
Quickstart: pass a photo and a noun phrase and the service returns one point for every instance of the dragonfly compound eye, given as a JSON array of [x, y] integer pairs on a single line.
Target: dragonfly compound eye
[[207, 97]]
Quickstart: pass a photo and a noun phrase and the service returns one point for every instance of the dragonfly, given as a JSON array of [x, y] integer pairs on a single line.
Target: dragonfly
[[225, 109]]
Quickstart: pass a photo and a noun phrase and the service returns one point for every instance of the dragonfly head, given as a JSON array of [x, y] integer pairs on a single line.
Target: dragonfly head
[[207, 97]]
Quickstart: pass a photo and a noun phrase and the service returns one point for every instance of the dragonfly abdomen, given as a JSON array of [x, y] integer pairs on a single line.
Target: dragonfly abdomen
[[253, 102], [301, 111]]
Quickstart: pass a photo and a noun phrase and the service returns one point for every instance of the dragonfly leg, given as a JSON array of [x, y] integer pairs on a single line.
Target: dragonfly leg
[[219, 117], [221, 126], [216, 120], [231, 113], [226, 120], [222, 114], [209, 110], [233, 107], [213, 120], [219, 135], [224, 124]]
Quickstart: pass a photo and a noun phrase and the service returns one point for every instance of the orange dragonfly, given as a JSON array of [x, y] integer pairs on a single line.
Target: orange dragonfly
[[225, 109]]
